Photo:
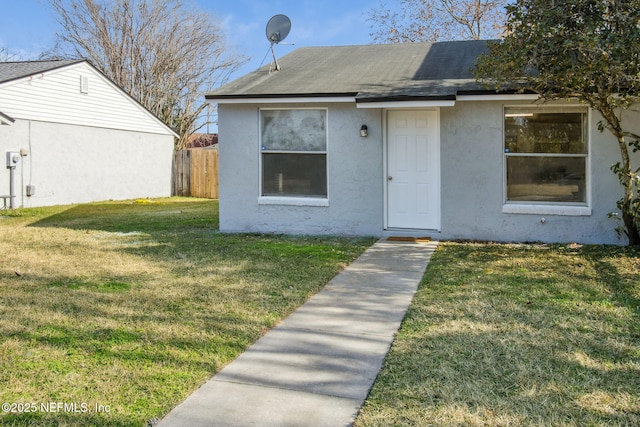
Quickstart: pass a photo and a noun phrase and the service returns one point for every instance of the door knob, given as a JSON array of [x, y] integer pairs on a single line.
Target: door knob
[[389, 178]]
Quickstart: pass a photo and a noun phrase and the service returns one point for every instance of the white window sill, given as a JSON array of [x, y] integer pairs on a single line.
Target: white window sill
[[516, 208], [292, 201]]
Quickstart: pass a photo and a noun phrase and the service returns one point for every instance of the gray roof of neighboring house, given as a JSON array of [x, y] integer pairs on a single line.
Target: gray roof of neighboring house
[[16, 70], [409, 71]]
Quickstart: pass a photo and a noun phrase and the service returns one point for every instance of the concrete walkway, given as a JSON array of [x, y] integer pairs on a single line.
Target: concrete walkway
[[317, 366]]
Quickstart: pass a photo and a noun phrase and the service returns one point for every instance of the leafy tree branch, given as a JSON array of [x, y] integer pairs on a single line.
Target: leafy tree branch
[[586, 50]]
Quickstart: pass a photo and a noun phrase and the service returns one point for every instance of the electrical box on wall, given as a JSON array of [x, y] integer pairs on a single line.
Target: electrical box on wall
[[13, 158], [31, 190]]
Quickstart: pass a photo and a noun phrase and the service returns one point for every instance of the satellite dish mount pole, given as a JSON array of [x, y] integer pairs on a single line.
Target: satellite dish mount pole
[[275, 60]]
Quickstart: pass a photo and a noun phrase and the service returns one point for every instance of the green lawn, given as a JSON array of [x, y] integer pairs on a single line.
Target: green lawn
[[119, 310], [517, 335]]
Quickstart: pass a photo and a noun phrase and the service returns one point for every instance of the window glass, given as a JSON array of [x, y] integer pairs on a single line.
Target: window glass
[[294, 130], [294, 158], [546, 153], [294, 175], [545, 132], [547, 179]]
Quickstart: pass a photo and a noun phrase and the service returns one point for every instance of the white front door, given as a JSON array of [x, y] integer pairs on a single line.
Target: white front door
[[413, 170]]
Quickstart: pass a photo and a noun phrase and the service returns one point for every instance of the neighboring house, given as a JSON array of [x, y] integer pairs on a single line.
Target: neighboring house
[[202, 140], [443, 156], [82, 138]]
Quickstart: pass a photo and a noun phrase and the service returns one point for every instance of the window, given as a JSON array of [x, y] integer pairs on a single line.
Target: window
[[294, 153], [546, 151]]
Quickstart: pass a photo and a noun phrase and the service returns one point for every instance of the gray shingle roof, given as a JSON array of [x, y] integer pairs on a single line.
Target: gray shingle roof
[[15, 70], [369, 72]]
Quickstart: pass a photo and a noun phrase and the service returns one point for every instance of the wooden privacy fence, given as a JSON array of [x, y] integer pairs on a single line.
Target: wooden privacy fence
[[195, 173]]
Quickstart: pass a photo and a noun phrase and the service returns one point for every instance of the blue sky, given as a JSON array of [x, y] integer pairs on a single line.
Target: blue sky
[[27, 26]]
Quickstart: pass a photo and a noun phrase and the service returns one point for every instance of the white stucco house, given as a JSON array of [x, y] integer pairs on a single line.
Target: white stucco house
[[74, 137], [401, 140]]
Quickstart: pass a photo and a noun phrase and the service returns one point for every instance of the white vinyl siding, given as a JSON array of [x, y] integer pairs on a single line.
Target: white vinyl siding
[[56, 96]]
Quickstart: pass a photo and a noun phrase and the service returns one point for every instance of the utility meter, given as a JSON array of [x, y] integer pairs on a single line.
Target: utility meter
[[13, 158]]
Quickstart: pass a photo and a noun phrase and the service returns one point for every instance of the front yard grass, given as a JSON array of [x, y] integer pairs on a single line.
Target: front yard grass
[[112, 313], [517, 335]]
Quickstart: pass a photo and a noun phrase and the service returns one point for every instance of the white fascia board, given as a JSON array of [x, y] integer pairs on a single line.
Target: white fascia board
[[291, 100], [374, 104], [499, 97], [407, 104]]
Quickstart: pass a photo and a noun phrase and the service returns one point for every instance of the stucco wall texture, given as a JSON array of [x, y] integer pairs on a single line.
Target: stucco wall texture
[[472, 180], [354, 177]]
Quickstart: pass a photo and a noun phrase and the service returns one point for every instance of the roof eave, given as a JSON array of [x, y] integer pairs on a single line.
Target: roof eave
[[363, 100], [380, 101], [281, 98], [364, 97], [6, 120], [496, 95], [55, 65]]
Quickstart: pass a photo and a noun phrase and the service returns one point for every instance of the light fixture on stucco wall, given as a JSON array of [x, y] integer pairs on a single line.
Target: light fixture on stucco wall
[[364, 132]]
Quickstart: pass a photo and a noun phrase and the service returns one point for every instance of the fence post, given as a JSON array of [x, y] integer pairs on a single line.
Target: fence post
[[182, 173]]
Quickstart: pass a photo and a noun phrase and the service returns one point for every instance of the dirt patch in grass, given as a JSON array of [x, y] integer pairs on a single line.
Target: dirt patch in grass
[[119, 310], [517, 335]]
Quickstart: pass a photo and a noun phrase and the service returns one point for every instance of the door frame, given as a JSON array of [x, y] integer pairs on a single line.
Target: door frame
[[385, 166]]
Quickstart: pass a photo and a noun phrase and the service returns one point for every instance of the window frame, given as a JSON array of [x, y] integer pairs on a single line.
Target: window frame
[[580, 208], [292, 200]]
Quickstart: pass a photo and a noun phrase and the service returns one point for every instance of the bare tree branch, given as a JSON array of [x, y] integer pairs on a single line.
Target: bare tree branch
[[6, 55], [164, 53], [432, 20]]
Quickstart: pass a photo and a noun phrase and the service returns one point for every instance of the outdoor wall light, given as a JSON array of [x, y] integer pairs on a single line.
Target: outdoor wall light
[[364, 132]]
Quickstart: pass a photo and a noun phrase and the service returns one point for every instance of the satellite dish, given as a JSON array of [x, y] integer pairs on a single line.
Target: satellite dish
[[278, 28]]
